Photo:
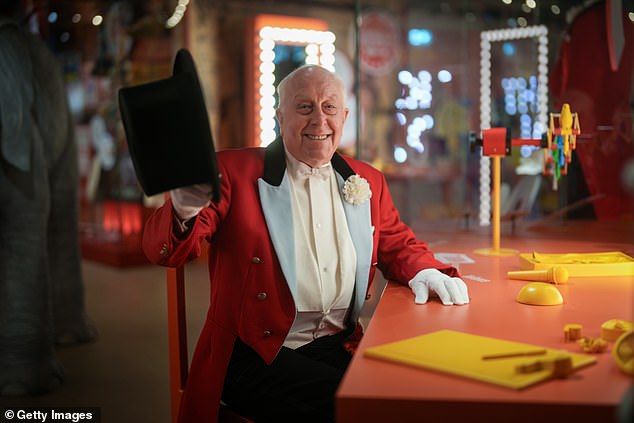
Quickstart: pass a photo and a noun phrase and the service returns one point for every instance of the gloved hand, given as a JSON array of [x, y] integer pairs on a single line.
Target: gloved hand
[[189, 201], [450, 290]]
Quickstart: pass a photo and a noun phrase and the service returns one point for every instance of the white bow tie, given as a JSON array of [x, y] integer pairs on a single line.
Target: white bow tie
[[322, 173]]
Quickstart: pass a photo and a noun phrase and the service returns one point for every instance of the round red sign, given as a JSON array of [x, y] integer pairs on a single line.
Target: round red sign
[[378, 43]]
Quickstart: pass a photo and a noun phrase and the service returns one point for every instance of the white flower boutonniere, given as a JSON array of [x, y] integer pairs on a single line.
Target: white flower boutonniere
[[356, 190]]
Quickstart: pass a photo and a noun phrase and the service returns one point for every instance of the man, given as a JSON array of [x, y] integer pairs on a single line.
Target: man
[[295, 241]]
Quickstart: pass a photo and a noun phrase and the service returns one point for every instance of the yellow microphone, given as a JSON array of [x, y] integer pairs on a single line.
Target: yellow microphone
[[556, 275]]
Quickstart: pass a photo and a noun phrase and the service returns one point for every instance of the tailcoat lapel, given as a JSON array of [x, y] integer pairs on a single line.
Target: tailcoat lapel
[[275, 198], [360, 226]]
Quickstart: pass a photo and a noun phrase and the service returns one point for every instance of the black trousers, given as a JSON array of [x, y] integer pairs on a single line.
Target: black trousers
[[298, 386]]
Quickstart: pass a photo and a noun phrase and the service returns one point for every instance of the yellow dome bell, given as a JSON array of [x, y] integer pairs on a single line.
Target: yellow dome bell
[[539, 293]]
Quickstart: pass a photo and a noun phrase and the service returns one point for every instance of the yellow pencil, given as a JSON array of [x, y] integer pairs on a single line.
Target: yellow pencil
[[514, 354]]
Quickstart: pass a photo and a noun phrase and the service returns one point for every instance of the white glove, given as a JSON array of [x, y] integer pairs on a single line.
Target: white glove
[[189, 201], [450, 290]]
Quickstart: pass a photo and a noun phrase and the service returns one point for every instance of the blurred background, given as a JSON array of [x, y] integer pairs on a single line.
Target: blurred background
[[420, 76]]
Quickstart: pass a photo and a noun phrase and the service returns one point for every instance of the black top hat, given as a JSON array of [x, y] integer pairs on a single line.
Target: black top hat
[[168, 131]]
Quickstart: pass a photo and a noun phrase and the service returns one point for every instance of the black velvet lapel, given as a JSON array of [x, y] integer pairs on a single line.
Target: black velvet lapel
[[275, 163], [341, 166]]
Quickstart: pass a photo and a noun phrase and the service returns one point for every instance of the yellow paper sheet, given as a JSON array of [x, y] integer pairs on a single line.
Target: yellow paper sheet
[[460, 354]]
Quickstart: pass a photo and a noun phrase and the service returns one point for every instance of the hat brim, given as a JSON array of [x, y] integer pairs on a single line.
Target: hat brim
[[168, 132]]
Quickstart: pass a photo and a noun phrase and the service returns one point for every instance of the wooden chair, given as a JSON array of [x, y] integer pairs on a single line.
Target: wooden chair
[[177, 334]]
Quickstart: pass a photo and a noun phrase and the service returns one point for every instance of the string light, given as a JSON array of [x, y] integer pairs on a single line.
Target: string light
[[177, 14], [419, 97]]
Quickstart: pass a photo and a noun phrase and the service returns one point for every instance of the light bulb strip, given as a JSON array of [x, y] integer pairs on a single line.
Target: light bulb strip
[[486, 38]]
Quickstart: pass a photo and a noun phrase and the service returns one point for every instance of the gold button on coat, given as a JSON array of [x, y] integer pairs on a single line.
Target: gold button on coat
[[256, 260], [266, 333], [262, 296], [164, 250]]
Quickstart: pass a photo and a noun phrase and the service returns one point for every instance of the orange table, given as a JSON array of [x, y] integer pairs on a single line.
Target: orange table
[[378, 391]]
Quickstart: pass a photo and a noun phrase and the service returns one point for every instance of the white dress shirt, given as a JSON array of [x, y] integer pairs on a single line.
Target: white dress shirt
[[324, 253]]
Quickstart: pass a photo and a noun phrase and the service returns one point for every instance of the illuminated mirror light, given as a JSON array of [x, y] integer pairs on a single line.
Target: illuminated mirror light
[[327, 48], [510, 85], [52, 17], [76, 18], [267, 102], [555, 9], [177, 15], [267, 56], [267, 91], [327, 60], [267, 137], [267, 44], [267, 124], [267, 113], [267, 67], [319, 50], [312, 49]]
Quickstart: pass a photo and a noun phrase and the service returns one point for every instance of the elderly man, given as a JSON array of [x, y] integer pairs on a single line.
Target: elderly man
[[295, 241]]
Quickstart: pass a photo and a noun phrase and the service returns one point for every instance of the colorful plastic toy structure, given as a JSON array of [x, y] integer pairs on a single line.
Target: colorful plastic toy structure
[[561, 141], [558, 143]]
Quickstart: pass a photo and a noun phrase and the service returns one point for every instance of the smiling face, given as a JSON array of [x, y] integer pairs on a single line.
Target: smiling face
[[311, 114]]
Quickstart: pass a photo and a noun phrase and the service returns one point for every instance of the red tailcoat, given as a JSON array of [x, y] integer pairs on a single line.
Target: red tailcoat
[[252, 252]]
